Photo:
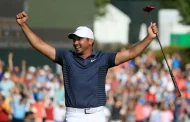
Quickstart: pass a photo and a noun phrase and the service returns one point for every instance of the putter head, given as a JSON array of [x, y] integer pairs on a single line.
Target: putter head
[[148, 9]]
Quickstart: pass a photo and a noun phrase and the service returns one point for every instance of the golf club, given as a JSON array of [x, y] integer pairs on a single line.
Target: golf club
[[148, 9]]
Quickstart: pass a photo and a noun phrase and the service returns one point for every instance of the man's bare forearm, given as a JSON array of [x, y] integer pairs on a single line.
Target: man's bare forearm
[[138, 48], [33, 39]]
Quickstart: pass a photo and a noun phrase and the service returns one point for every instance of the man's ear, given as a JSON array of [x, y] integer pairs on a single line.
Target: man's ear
[[91, 41]]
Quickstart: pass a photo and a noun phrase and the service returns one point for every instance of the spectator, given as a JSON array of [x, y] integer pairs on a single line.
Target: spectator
[[6, 84], [155, 115], [29, 117], [19, 110], [116, 110], [176, 61], [139, 113], [147, 109], [59, 112], [169, 60], [49, 108], [165, 114], [5, 109], [60, 92], [1, 69], [107, 113], [40, 109], [130, 114], [124, 85]]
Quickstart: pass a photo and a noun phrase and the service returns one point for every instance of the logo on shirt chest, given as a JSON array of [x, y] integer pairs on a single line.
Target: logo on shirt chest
[[92, 60]]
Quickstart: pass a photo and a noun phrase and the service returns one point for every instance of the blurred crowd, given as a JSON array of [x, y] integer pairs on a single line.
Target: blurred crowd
[[140, 90], [32, 94]]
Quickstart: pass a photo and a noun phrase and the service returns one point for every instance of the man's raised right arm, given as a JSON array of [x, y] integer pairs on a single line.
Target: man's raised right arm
[[33, 39]]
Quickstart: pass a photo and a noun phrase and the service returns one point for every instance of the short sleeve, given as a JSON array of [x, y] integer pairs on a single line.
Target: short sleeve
[[60, 53], [111, 59]]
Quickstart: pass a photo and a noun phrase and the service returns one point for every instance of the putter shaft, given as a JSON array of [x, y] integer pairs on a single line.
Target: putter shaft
[[171, 74]]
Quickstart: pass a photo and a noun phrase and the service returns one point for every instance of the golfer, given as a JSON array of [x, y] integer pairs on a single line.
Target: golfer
[[84, 70]]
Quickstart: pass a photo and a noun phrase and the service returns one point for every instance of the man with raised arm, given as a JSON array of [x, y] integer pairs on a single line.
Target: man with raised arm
[[84, 70]]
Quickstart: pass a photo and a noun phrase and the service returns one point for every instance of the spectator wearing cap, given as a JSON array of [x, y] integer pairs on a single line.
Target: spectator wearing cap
[[30, 74], [41, 76], [48, 71], [52, 86], [6, 84]]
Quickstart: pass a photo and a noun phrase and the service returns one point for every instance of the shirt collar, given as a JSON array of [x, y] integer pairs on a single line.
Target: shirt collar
[[92, 55]]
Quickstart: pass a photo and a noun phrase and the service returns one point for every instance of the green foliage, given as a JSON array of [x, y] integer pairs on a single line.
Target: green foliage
[[100, 7], [183, 6], [168, 3]]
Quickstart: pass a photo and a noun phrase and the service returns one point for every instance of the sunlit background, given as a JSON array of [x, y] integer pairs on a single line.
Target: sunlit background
[[140, 90]]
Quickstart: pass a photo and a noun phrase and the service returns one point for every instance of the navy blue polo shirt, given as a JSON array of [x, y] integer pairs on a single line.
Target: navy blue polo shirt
[[84, 79]]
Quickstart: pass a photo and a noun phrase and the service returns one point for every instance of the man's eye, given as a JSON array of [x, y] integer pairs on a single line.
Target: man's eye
[[77, 38]]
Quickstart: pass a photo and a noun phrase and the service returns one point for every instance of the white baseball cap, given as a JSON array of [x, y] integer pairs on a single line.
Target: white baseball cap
[[82, 31], [32, 69], [7, 75]]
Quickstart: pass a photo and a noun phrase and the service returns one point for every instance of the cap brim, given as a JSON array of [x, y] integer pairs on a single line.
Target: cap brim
[[71, 35]]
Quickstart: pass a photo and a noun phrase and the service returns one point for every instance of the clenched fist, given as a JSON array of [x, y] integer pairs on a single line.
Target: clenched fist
[[21, 18], [152, 30]]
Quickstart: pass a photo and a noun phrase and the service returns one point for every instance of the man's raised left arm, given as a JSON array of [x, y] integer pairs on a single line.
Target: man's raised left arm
[[138, 48]]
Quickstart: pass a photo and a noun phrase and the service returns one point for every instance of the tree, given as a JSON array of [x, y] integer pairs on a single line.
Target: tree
[[183, 7], [100, 7], [168, 3]]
